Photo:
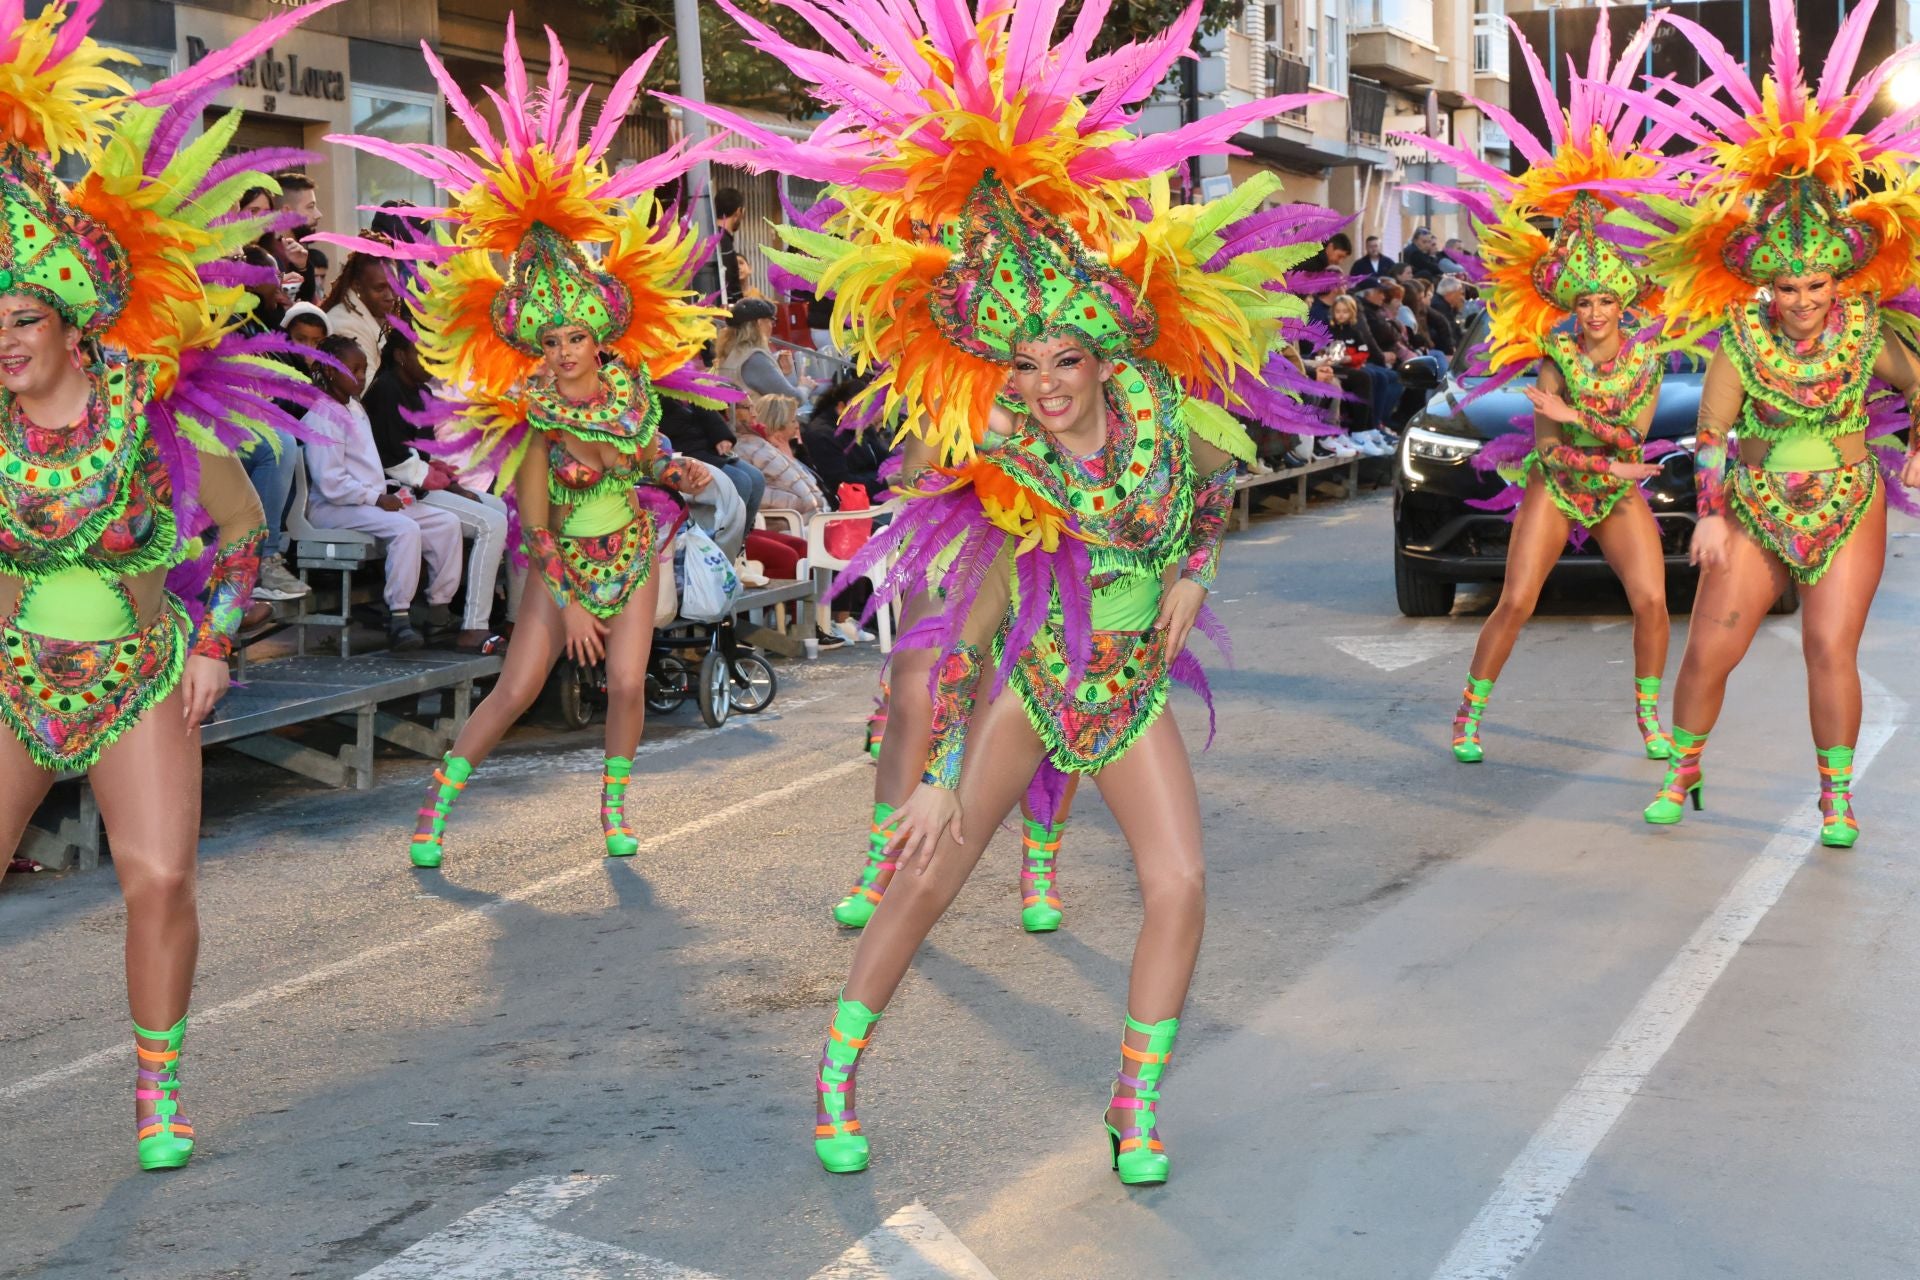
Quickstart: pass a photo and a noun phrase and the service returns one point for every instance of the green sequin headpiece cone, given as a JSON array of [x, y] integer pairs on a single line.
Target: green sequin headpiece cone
[[550, 284], [1019, 274], [1797, 229], [1583, 261], [53, 252]]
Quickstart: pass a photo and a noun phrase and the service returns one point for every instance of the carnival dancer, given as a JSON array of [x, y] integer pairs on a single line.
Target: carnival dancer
[[1002, 226], [1781, 248], [129, 534], [1572, 305], [888, 170], [561, 362]]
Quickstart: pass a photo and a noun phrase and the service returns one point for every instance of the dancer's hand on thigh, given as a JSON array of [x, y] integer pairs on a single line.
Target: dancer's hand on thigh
[[202, 683], [916, 826], [586, 635], [1711, 540], [1910, 473]]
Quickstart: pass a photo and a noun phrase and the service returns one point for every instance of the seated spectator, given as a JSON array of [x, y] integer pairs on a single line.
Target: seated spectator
[[269, 464], [1444, 314], [1454, 258], [1423, 254], [351, 491], [360, 305], [1428, 327], [703, 433], [839, 456], [768, 446], [402, 389], [1364, 371], [744, 356], [1371, 263], [287, 245]]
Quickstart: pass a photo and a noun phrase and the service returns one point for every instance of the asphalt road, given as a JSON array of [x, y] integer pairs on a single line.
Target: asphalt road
[[1449, 1022]]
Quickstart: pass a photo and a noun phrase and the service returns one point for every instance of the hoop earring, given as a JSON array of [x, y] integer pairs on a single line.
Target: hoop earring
[[79, 362]]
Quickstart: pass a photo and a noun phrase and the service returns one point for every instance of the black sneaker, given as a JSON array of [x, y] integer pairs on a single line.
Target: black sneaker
[[401, 636]]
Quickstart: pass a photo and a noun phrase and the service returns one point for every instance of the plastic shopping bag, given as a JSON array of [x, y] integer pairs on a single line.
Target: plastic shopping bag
[[708, 584]]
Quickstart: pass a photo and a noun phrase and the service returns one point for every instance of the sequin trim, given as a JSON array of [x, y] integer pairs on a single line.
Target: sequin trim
[[69, 700]]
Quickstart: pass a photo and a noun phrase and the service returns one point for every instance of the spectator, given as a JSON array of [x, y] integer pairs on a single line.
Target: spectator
[[838, 456], [744, 353], [361, 304], [398, 395], [703, 433], [1400, 311], [310, 261], [774, 427], [269, 464], [1333, 257], [270, 301], [729, 209], [1422, 254], [1444, 314], [1372, 262], [351, 491], [1454, 258], [305, 325], [1383, 352]]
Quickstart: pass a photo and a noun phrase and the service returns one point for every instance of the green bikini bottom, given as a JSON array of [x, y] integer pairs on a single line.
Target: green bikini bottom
[[69, 700], [1803, 517]]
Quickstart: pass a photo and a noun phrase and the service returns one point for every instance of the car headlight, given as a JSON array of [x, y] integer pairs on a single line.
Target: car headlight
[[1690, 443], [1432, 446]]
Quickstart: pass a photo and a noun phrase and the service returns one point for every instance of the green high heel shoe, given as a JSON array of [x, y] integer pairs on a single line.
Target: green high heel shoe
[[837, 1139], [877, 722], [165, 1137], [1138, 1156], [1838, 829], [1466, 721], [1646, 714], [1683, 781], [1039, 905], [854, 910], [450, 779], [613, 808]]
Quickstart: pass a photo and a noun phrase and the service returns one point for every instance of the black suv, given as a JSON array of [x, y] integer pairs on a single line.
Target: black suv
[[1440, 541]]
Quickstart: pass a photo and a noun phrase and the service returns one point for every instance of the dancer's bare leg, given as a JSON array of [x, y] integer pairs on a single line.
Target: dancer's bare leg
[[1728, 608], [1833, 614], [1629, 538], [1533, 548], [629, 645], [23, 785]]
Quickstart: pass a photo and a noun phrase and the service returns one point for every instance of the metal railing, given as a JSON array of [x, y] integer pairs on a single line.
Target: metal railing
[[1489, 45], [1288, 72], [1366, 110]]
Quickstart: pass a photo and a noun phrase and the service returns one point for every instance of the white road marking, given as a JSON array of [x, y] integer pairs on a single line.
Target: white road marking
[[469, 919], [508, 1239], [911, 1245], [1509, 1226], [1403, 649]]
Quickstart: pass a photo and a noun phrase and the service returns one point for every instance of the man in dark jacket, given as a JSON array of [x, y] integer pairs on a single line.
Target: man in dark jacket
[[1384, 354], [1373, 262], [1443, 314], [1423, 255]]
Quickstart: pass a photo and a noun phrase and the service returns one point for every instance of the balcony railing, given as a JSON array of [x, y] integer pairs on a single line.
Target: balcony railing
[[1366, 111], [1489, 45], [1287, 72], [1409, 17]]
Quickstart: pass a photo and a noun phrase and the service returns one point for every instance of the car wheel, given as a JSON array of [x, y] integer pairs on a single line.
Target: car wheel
[[1420, 595], [1788, 602]]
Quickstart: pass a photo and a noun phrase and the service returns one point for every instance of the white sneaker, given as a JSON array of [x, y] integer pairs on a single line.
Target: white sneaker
[[1373, 444], [850, 631], [1339, 447], [276, 583]]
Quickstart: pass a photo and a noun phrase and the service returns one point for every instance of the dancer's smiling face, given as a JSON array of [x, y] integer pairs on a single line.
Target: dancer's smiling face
[[572, 354], [1598, 315], [36, 347], [1062, 385], [1803, 303]]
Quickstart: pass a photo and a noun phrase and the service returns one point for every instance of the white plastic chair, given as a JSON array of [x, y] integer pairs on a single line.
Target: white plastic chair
[[825, 564]]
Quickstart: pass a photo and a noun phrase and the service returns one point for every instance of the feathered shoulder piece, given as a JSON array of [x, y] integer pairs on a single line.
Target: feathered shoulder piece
[[1785, 180], [1598, 150], [926, 100], [581, 245]]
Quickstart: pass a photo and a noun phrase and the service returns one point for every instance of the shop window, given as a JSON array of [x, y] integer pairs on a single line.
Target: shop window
[[397, 116]]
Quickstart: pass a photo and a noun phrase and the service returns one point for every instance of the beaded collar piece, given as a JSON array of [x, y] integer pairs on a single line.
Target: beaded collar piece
[[624, 414], [1615, 391]]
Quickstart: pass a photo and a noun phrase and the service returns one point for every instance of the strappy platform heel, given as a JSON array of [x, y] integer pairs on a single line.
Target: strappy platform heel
[[621, 842], [877, 722], [165, 1138], [1040, 907], [1646, 715], [1838, 828], [449, 780], [837, 1139], [1138, 1155], [854, 910], [1466, 721], [1683, 783]]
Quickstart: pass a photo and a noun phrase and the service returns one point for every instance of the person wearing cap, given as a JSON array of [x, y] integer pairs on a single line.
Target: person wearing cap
[[743, 354]]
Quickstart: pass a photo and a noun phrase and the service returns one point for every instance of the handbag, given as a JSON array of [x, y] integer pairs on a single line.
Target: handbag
[[844, 538], [708, 584]]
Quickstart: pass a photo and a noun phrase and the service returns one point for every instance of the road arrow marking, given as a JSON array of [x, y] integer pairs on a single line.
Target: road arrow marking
[[911, 1245], [508, 1239], [1392, 652]]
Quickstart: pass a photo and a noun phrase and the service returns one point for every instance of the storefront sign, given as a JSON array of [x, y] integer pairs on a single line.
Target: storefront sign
[[303, 76]]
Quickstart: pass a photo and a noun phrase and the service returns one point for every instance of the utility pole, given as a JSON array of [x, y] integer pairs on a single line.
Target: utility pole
[[693, 87]]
